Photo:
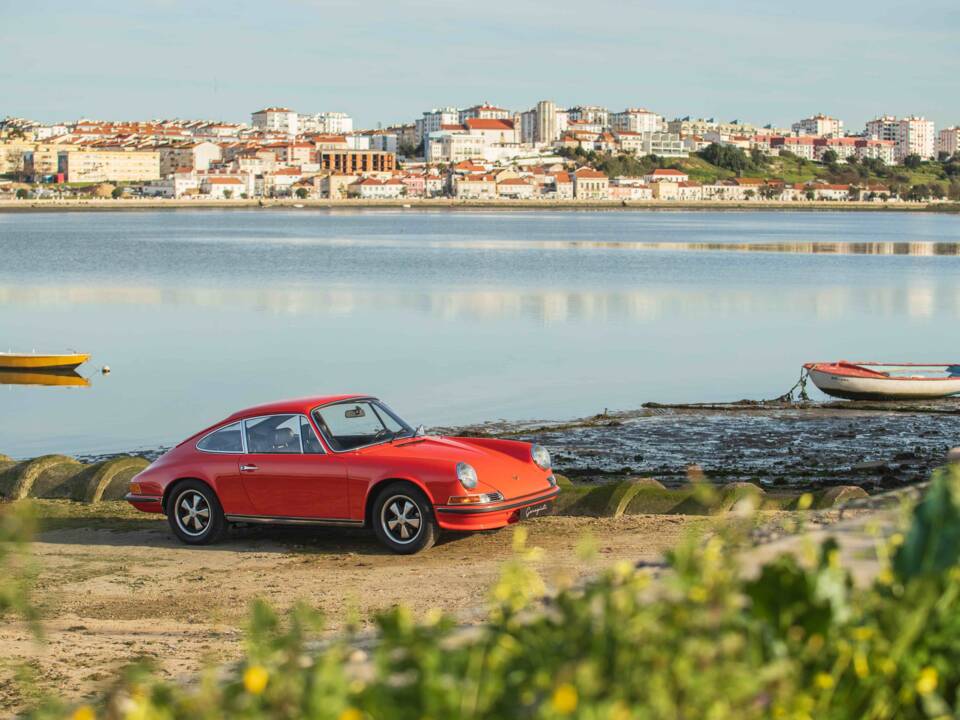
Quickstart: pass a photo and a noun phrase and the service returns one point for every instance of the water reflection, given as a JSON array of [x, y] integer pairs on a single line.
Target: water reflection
[[918, 249], [66, 378], [917, 299]]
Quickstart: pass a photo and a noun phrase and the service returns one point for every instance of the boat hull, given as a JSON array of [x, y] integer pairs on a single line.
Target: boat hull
[[876, 388], [9, 361]]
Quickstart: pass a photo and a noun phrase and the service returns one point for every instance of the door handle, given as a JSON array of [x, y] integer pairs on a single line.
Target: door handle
[[248, 468]]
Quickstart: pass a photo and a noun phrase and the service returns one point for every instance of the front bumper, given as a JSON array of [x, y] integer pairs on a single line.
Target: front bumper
[[497, 515]]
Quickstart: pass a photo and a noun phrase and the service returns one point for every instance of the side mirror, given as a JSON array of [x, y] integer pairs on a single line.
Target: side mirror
[[421, 430]]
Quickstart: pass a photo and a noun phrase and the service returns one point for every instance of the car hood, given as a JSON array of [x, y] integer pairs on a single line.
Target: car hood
[[496, 470]]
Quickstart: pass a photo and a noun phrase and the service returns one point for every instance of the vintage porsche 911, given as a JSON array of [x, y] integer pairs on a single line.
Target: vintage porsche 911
[[345, 460]]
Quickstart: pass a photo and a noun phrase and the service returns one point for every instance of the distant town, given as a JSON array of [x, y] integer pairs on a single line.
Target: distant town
[[483, 152]]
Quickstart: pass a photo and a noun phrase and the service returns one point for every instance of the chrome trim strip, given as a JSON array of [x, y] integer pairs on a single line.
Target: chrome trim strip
[[130, 497], [280, 520], [243, 440], [497, 508]]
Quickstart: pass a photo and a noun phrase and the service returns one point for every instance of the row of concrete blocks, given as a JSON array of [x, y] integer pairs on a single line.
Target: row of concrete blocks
[[59, 476]]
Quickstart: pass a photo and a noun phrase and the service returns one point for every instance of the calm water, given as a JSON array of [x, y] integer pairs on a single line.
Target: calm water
[[452, 316]]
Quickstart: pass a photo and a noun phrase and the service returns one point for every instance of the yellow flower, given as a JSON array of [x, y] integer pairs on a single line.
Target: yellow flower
[[255, 679], [927, 681], [896, 540], [350, 714], [862, 633], [885, 577], [804, 501], [860, 665], [565, 699], [888, 666], [84, 712], [824, 681], [697, 594]]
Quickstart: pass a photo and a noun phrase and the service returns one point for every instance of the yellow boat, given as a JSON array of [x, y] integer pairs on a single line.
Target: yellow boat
[[26, 377], [33, 361]]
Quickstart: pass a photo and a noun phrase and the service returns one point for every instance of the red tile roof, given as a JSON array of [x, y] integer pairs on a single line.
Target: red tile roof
[[489, 124]]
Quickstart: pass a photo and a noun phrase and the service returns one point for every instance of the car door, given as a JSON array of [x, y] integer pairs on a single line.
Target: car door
[[287, 473]]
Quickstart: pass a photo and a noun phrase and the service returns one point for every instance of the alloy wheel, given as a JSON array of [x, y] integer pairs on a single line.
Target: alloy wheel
[[401, 520], [192, 512]]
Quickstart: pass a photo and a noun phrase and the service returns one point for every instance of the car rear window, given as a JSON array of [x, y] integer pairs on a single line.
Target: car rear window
[[226, 440]]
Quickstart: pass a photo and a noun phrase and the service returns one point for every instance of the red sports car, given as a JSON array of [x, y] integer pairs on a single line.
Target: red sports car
[[344, 460]]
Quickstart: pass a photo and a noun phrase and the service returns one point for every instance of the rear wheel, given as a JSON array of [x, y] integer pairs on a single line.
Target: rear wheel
[[195, 514], [403, 519]]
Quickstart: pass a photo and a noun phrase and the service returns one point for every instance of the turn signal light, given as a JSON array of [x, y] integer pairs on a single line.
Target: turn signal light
[[135, 488], [474, 499]]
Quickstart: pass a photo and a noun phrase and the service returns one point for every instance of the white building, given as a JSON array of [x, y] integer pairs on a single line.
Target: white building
[[917, 137], [435, 119], [592, 114], [276, 119], [913, 135], [385, 141], [222, 188], [819, 125], [327, 123], [484, 111], [543, 123], [373, 189], [885, 127], [948, 140], [453, 146], [637, 120]]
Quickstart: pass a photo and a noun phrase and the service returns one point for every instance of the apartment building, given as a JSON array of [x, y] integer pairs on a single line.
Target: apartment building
[[276, 119], [453, 145], [590, 185], [590, 114], [884, 127], [686, 126], [433, 120], [801, 146], [484, 111], [819, 125], [108, 165], [357, 161], [196, 156], [884, 150], [917, 137], [544, 123], [637, 120], [948, 141], [329, 123], [844, 147]]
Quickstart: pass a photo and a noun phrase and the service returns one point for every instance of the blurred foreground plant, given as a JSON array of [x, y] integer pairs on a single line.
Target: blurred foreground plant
[[795, 640]]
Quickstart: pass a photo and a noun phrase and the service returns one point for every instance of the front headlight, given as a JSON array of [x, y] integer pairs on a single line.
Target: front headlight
[[466, 475], [541, 456]]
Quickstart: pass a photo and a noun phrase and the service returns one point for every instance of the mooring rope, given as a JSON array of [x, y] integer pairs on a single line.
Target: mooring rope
[[800, 388]]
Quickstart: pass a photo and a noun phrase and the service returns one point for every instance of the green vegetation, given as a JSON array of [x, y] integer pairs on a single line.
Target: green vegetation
[[798, 640], [915, 180]]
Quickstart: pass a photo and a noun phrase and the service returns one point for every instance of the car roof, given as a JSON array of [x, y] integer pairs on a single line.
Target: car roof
[[295, 405]]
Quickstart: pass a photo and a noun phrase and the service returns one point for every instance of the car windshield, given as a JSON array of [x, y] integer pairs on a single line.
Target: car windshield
[[358, 423]]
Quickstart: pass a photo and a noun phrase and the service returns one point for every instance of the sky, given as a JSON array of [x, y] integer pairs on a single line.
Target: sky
[[386, 61]]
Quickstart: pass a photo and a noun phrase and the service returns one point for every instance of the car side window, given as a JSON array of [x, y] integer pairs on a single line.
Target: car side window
[[225, 440], [311, 445], [274, 434]]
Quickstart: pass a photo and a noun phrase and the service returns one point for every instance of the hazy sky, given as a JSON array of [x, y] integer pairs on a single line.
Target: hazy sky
[[388, 60]]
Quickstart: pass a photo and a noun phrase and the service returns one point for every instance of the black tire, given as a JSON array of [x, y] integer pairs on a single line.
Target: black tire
[[403, 519], [195, 514]]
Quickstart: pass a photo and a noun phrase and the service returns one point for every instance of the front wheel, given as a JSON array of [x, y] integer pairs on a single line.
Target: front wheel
[[403, 519], [195, 514]]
